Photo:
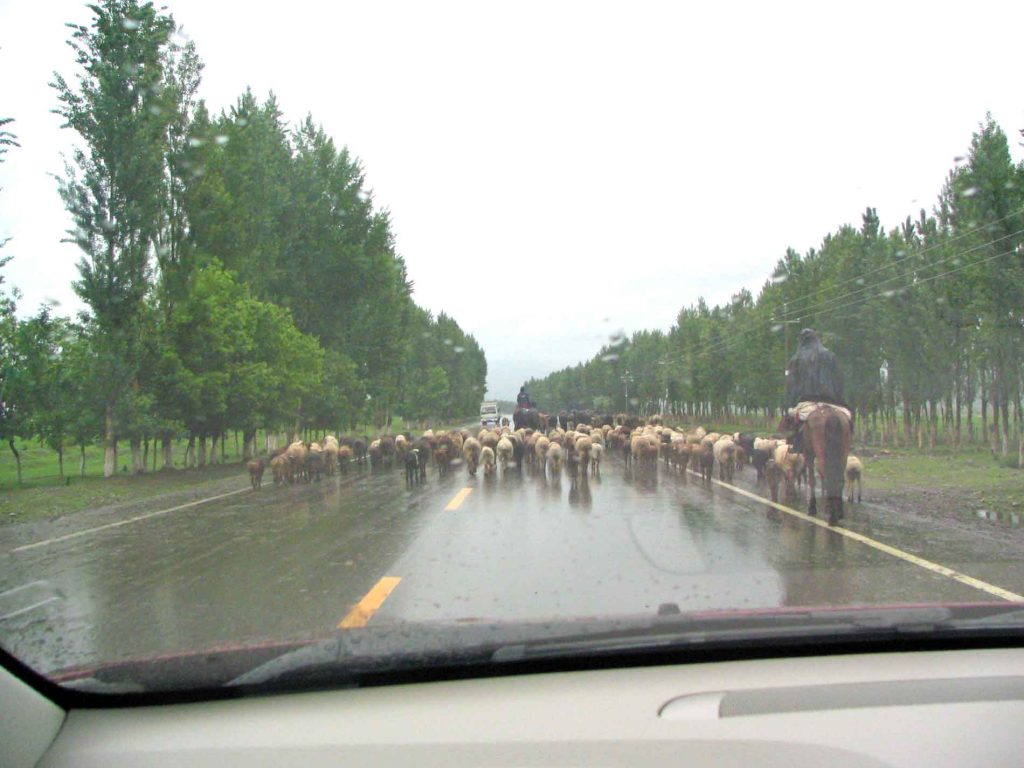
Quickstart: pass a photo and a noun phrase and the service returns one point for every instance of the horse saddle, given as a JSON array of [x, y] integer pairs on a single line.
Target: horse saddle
[[803, 410]]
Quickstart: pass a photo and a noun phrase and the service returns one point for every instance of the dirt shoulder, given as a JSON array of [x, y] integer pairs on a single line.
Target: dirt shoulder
[[968, 490]]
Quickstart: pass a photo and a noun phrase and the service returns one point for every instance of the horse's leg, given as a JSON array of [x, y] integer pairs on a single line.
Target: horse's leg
[[812, 507]]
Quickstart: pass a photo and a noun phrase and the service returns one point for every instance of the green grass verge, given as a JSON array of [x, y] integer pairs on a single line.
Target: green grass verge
[[35, 502], [963, 482]]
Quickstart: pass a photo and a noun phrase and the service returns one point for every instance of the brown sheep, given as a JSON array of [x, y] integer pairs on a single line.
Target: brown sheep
[[344, 457], [279, 468], [596, 454], [791, 465], [471, 454], [854, 471], [487, 461], [583, 448], [540, 448], [724, 451], [255, 467], [554, 459], [505, 451]]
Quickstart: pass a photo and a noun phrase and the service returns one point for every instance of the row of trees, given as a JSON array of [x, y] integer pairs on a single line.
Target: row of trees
[[926, 319], [236, 272]]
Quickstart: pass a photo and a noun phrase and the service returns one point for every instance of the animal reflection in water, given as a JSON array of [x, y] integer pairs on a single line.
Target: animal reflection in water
[[579, 492]]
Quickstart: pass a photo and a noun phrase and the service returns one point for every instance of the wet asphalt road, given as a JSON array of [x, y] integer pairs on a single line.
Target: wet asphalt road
[[290, 563]]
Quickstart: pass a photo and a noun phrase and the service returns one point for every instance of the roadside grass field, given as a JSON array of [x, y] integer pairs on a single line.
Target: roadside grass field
[[42, 495]]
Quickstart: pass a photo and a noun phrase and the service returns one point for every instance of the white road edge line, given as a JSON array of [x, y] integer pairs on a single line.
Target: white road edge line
[[119, 523], [98, 528], [28, 608], [921, 562]]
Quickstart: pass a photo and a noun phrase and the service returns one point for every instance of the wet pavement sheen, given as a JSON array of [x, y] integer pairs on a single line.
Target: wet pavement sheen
[[289, 563]]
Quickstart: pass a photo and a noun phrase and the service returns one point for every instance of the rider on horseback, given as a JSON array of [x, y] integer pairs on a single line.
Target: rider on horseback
[[812, 376], [523, 399]]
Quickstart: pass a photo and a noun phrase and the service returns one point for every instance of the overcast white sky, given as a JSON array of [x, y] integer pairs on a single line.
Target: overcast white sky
[[620, 159]]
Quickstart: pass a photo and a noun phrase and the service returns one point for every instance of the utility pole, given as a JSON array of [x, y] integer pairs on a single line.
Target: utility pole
[[786, 324]]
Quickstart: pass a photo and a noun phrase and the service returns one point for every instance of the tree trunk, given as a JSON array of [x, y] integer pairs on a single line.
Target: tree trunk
[[17, 458], [136, 445], [145, 452], [109, 443], [190, 451], [81, 461], [957, 435], [1005, 435], [248, 444], [224, 447], [202, 450], [168, 455], [60, 463], [236, 444], [215, 439], [983, 386]]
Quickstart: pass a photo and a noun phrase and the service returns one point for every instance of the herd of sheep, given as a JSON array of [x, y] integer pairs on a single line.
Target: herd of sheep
[[773, 459], [578, 452]]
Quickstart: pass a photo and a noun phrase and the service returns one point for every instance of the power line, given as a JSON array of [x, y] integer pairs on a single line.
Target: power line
[[923, 251], [729, 343], [827, 304]]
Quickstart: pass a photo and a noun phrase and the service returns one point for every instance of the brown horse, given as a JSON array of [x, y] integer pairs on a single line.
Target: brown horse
[[825, 436]]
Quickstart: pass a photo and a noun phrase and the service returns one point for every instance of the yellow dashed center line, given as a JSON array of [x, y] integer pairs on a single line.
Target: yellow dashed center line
[[460, 497], [942, 570], [370, 603]]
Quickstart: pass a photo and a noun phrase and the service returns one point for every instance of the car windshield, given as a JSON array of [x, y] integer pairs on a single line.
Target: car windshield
[[754, 350]]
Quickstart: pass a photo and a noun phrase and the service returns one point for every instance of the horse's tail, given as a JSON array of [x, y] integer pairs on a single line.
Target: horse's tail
[[835, 458]]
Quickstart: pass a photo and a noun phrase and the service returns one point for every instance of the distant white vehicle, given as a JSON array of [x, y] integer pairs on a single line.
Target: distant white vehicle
[[489, 414]]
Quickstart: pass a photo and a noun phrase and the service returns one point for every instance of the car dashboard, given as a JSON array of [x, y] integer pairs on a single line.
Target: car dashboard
[[922, 708]]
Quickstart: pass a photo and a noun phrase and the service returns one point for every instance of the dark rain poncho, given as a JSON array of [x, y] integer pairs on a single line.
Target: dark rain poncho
[[813, 374]]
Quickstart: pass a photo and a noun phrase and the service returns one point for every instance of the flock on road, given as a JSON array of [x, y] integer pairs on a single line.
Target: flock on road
[[573, 449]]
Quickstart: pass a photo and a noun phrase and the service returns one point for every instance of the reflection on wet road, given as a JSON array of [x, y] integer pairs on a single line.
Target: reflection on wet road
[[292, 562]]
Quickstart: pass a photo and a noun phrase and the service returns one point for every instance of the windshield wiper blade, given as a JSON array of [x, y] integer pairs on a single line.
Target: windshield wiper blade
[[769, 630]]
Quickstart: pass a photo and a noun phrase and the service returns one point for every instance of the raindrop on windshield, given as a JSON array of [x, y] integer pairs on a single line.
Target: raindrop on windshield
[[775, 279], [242, 121], [969, 192], [458, 350], [958, 159], [195, 142], [610, 358], [178, 38], [448, 342], [129, 23], [859, 281], [220, 140], [777, 327], [155, 110]]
